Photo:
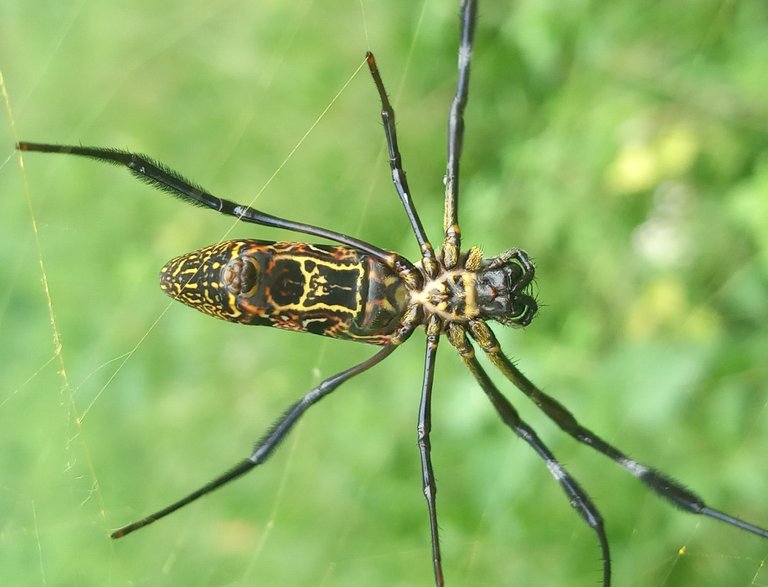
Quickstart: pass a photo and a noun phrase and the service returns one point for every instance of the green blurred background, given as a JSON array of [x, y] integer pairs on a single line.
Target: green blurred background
[[623, 144]]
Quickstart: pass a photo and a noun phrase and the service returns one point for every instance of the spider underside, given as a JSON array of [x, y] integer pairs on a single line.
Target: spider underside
[[448, 292]]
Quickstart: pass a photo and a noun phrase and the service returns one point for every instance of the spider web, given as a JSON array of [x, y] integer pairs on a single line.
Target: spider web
[[624, 149]]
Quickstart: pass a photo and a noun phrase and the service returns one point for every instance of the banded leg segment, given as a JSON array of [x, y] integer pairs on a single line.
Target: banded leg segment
[[577, 497], [425, 447], [660, 483], [429, 261], [170, 181], [452, 239], [265, 446]]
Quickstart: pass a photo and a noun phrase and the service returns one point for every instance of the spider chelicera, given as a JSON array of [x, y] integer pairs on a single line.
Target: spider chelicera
[[357, 291]]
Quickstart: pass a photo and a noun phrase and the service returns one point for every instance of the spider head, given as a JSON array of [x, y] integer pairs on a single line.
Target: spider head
[[502, 289]]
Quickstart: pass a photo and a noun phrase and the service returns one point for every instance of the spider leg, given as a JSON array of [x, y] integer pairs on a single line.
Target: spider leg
[[268, 442], [452, 239], [158, 175], [398, 173], [577, 496], [424, 428], [660, 483]]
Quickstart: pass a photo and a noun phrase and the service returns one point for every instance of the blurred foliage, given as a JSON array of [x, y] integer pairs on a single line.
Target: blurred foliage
[[622, 144]]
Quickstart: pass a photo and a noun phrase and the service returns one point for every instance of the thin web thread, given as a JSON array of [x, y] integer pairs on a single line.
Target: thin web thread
[[68, 399], [298, 145]]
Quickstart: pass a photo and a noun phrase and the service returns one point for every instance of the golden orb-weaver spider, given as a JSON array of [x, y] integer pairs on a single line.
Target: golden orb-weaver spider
[[361, 292]]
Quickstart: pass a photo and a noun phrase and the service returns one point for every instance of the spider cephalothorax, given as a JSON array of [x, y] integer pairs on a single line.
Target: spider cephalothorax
[[477, 288]]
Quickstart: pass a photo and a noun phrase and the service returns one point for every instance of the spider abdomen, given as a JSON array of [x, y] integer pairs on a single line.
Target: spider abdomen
[[335, 291]]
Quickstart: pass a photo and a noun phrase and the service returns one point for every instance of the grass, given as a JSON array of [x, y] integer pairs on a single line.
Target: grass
[[624, 147]]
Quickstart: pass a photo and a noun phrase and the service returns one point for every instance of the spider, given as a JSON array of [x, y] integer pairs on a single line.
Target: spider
[[357, 291]]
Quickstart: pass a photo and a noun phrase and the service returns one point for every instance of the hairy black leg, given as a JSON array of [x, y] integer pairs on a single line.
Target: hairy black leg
[[398, 173], [267, 444], [660, 483], [577, 497], [452, 239], [158, 175]]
